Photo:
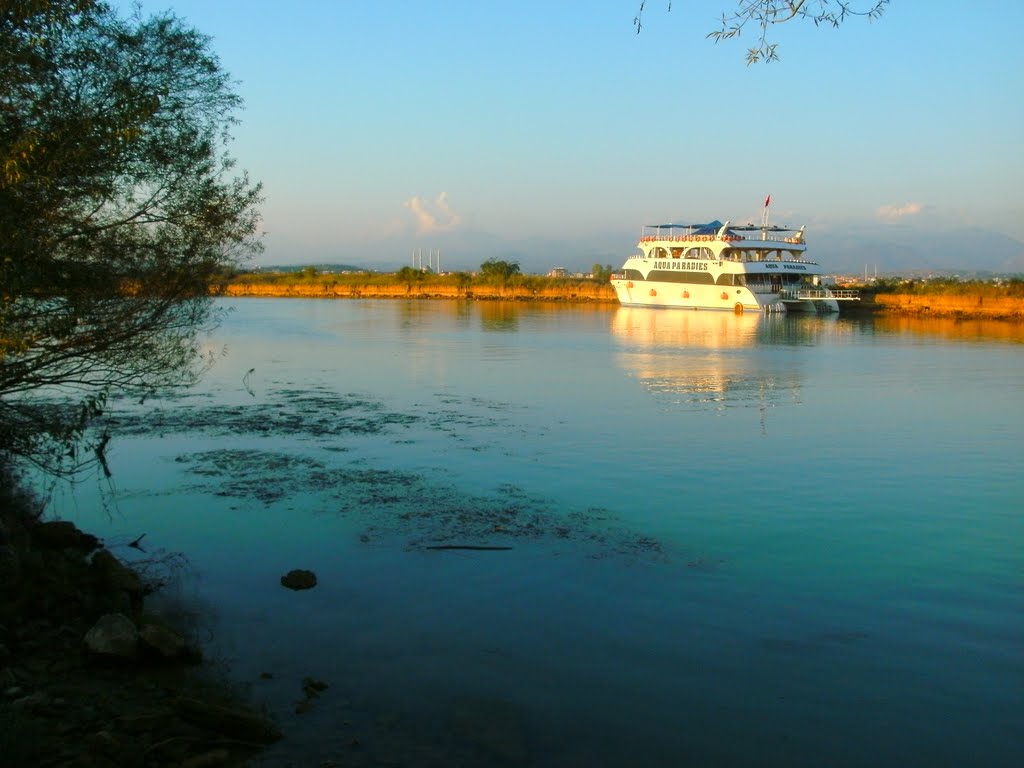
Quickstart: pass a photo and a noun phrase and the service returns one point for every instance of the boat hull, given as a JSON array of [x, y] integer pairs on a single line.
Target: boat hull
[[683, 296]]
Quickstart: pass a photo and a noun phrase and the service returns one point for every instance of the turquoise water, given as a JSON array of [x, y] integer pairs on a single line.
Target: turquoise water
[[735, 540]]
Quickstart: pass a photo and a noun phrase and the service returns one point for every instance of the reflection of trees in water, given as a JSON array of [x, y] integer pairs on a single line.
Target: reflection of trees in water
[[499, 316]]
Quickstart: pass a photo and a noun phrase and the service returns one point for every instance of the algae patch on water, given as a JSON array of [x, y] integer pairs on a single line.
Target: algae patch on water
[[412, 507], [304, 445]]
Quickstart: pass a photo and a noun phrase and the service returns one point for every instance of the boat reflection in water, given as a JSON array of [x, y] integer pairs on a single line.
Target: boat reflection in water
[[715, 360]]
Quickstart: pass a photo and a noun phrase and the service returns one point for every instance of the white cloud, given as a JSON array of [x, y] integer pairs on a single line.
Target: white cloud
[[899, 211], [433, 215]]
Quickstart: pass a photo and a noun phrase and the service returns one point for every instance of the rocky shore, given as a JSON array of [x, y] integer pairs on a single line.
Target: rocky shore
[[89, 678]]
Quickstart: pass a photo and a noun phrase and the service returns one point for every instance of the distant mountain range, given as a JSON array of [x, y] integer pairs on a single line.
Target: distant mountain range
[[901, 251]]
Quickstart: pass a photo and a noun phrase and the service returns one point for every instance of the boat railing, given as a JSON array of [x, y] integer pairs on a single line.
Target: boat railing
[[753, 241], [809, 294]]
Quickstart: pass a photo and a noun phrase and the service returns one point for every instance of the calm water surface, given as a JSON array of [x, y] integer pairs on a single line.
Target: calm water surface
[[733, 540]]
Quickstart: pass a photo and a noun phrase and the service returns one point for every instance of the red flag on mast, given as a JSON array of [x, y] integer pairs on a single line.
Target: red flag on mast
[[767, 200]]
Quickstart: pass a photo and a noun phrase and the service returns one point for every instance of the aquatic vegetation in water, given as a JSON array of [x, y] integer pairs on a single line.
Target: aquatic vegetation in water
[[392, 504], [278, 465], [294, 413]]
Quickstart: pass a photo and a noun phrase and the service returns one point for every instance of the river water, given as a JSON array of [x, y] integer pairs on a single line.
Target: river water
[[719, 539]]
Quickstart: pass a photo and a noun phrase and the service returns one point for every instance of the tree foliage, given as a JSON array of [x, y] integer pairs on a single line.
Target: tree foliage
[[119, 208], [602, 272], [765, 14], [497, 268], [410, 275]]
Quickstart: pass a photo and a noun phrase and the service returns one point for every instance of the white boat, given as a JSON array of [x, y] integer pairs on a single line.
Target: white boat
[[722, 266]]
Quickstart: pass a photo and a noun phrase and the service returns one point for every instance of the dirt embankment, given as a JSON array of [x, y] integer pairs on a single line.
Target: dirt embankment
[[582, 292], [936, 305], [929, 305]]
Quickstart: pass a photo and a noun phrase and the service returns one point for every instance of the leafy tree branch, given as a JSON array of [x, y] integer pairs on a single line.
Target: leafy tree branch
[[120, 209]]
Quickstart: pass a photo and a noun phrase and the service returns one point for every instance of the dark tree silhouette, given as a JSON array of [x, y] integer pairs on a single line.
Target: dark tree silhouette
[[119, 210]]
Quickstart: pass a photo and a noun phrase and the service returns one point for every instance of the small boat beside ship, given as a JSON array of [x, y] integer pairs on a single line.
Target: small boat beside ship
[[758, 268]]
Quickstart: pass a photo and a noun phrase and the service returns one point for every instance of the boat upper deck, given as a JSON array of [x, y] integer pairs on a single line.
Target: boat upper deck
[[718, 241]]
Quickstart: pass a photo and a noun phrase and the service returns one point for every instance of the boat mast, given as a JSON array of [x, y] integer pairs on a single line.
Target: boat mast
[[764, 218]]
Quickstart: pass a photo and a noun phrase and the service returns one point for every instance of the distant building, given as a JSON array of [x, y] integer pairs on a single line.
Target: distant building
[[558, 272]]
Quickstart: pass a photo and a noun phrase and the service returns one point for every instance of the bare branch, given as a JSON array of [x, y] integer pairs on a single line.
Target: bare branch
[[765, 14]]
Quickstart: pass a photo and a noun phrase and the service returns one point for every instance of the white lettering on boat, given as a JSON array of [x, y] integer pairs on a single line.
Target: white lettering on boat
[[693, 266]]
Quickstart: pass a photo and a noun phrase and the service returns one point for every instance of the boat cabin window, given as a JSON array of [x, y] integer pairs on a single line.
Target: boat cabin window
[[686, 276]]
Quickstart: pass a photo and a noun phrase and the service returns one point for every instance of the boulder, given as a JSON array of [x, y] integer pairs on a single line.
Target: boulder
[[163, 642], [227, 721], [299, 579], [114, 636], [62, 534], [115, 576]]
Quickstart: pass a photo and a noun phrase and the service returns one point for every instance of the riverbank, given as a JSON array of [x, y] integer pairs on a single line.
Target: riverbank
[[90, 676], [531, 290], [967, 306]]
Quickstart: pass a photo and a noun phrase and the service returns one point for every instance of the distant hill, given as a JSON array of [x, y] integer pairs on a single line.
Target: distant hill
[[902, 250]]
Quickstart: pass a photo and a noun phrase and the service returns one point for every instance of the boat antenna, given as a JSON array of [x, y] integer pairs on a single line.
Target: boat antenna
[[764, 215]]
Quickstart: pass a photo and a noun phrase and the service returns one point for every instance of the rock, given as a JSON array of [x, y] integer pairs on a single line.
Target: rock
[[114, 635], [235, 723], [63, 534], [209, 759], [7, 679], [312, 688], [152, 721], [116, 576], [10, 565], [32, 701], [103, 743], [164, 642], [299, 579]]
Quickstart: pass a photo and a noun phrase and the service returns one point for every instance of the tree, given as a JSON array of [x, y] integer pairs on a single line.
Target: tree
[[410, 275], [765, 14], [602, 273], [502, 270], [119, 210]]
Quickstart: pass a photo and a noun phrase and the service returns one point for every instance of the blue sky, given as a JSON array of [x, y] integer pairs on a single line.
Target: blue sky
[[548, 131]]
